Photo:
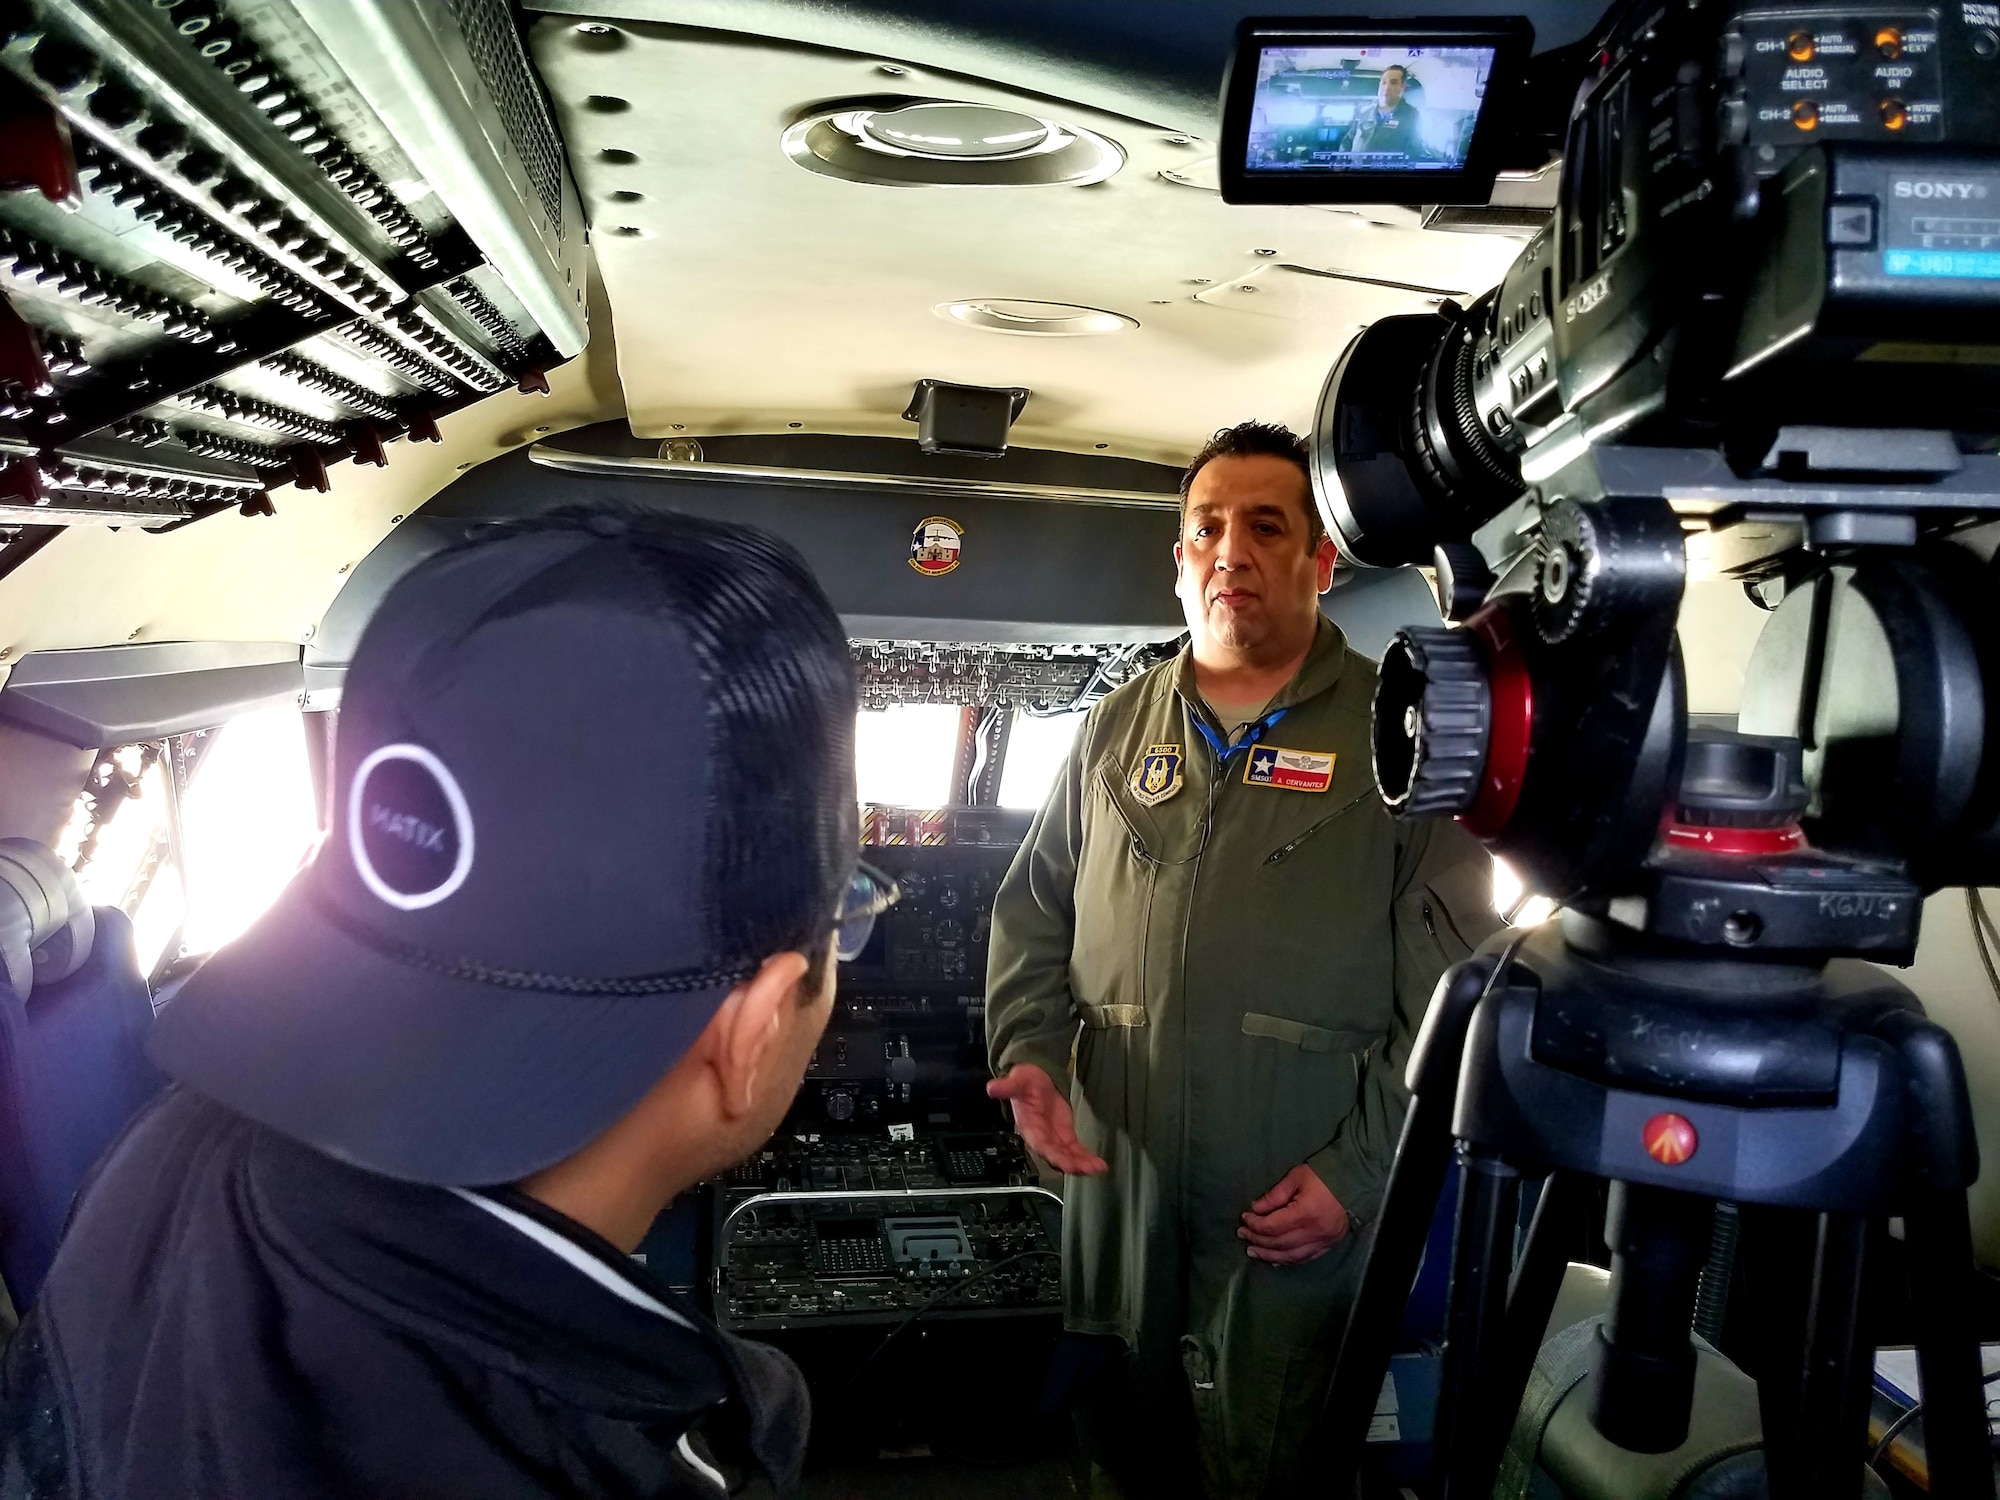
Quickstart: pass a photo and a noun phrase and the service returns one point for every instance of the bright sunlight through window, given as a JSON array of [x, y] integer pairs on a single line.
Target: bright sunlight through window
[[1035, 752], [130, 846], [248, 820], [903, 754], [1511, 899]]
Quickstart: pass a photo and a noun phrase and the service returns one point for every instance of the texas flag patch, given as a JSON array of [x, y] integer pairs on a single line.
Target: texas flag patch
[[1294, 770]]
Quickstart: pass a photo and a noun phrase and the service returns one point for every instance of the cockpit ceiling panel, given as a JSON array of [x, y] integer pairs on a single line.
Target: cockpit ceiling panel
[[752, 295], [1159, 63]]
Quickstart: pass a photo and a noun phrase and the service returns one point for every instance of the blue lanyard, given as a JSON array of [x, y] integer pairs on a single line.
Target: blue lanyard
[[1250, 735]]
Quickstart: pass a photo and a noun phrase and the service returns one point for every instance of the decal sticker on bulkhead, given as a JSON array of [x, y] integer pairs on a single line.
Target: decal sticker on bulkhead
[[937, 546]]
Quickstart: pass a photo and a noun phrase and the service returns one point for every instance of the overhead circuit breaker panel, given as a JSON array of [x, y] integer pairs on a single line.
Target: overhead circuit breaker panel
[[243, 239]]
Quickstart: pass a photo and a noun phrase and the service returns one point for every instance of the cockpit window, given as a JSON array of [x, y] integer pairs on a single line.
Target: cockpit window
[[1036, 745], [248, 819], [903, 754], [117, 845]]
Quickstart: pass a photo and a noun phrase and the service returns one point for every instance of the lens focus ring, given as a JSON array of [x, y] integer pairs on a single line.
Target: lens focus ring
[[1433, 721]]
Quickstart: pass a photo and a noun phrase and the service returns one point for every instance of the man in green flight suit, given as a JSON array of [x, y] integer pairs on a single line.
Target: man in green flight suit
[[1393, 125], [1208, 965]]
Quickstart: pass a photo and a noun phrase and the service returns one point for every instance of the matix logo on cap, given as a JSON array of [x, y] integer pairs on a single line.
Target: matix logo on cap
[[1294, 770], [409, 829], [1158, 775]]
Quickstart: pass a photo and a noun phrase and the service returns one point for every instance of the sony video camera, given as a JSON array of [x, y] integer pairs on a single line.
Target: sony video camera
[[1767, 308]]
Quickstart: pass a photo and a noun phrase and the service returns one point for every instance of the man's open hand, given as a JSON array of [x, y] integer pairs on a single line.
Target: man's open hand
[[1043, 1118], [1298, 1220]]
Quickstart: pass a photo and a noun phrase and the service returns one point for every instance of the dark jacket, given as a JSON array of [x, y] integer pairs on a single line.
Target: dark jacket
[[233, 1316]]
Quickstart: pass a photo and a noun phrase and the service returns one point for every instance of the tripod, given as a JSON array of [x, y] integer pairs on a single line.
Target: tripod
[[1816, 1096]]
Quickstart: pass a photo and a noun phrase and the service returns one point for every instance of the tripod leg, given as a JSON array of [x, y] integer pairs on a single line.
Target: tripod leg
[[1423, 1153], [1776, 1243], [1944, 1153], [1481, 1263], [1833, 1411], [1645, 1371], [1530, 1299], [1939, 1235]]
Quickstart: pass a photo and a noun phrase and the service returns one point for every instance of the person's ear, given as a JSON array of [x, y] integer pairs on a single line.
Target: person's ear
[[749, 1027], [1324, 557]]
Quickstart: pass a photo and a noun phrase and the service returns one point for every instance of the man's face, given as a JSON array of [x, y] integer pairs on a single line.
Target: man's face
[[1248, 575], [1392, 88]]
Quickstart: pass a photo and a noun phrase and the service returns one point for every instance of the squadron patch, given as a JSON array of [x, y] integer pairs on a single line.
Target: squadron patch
[[1294, 770], [1158, 775], [936, 546]]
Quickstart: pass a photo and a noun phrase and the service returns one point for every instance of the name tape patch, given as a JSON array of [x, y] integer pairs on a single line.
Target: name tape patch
[[409, 829], [1158, 775], [1293, 770]]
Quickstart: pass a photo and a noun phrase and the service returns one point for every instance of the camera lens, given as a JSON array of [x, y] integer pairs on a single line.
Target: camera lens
[[1400, 458]]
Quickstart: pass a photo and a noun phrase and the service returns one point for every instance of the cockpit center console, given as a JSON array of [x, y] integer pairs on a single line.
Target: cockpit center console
[[894, 1189]]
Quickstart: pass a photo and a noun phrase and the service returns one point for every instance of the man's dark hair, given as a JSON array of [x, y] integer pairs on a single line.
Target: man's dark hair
[[1397, 68], [1254, 440]]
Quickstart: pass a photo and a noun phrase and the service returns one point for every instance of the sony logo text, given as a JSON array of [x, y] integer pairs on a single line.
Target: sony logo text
[[1929, 189]]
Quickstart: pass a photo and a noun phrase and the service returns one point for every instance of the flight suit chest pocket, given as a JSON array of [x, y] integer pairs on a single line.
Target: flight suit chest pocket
[[1116, 876], [1164, 831], [1315, 925]]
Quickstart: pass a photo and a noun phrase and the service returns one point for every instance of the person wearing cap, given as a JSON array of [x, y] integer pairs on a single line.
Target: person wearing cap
[[376, 1239], [1207, 968]]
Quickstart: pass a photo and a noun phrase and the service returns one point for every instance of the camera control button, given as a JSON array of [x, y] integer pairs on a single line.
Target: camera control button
[[1851, 224], [1733, 121]]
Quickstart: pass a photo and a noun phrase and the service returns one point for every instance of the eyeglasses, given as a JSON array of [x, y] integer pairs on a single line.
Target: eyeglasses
[[869, 894]]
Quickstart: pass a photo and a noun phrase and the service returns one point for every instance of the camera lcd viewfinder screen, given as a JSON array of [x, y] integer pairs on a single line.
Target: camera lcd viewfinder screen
[[1344, 109]]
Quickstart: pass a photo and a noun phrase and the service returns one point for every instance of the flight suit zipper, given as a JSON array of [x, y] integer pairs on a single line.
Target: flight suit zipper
[[1277, 854], [1218, 773]]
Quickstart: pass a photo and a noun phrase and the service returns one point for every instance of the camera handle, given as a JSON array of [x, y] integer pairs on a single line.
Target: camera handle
[[1896, 1140]]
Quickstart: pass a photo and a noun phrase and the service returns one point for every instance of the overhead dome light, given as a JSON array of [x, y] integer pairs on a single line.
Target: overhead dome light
[[951, 132], [897, 141], [1037, 319]]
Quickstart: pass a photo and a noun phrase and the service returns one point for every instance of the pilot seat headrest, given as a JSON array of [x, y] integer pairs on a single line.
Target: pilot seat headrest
[[46, 925]]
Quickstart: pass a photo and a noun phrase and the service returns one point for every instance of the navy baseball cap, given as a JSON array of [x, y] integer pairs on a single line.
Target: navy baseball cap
[[591, 770]]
